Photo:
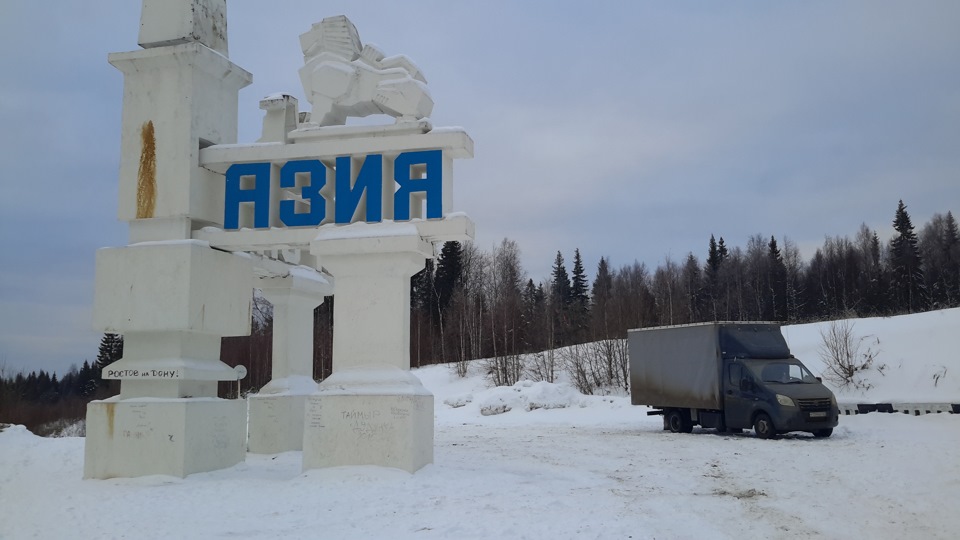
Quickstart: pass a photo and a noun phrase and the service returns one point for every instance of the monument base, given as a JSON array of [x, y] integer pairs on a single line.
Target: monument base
[[378, 417], [176, 437], [275, 420]]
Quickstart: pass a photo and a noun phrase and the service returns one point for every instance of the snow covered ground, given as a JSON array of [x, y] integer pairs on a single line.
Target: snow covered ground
[[557, 465]]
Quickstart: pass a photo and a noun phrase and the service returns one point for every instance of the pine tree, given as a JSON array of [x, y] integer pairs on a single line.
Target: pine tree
[[580, 300], [425, 316], [560, 299], [601, 306], [909, 293], [776, 283], [561, 290], [111, 350], [693, 287], [712, 277], [952, 269], [449, 273], [87, 380]]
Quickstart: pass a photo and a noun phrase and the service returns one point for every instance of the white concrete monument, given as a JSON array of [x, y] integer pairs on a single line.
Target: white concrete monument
[[311, 204]]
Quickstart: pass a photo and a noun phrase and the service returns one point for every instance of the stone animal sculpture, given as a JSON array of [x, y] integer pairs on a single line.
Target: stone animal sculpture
[[342, 77]]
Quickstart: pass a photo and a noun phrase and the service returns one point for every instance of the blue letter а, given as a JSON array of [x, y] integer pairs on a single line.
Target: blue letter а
[[431, 184], [259, 195]]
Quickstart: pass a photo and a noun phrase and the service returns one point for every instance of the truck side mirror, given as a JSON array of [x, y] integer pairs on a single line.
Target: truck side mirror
[[746, 385]]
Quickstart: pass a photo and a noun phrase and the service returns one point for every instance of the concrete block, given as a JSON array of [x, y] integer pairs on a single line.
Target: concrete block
[[369, 417], [178, 286], [175, 437], [170, 22], [176, 100], [275, 423]]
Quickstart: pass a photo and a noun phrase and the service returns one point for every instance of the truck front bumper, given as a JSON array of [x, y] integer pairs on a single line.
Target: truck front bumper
[[795, 419]]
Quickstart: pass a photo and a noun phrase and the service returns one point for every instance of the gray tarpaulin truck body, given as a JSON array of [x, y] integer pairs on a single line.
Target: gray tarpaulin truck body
[[727, 375], [676, 366]]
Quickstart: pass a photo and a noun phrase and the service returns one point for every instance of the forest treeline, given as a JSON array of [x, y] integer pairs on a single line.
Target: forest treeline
[[471, 303]]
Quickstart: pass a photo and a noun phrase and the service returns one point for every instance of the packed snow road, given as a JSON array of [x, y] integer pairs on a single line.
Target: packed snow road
[[598, 469], [878, 477]]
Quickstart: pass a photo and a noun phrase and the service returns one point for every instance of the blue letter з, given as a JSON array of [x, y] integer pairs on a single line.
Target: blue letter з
[[310, 192]]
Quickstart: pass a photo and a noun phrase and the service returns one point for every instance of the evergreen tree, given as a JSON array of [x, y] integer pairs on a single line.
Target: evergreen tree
[[909, 293], [722, 250], [425, 315], [87, 380], [580, 300], [776, 283], [937, 240], [561, 296], [601, 306], [449, 273], [952, 269], [534, 304], [693, 288], [111, 350], [562, 289], [712, 277]]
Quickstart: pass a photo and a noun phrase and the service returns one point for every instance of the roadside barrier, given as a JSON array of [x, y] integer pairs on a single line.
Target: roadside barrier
[[914, 409]]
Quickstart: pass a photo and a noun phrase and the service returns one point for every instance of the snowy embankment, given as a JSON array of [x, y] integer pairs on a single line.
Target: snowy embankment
[[557, 464], [916, 357]]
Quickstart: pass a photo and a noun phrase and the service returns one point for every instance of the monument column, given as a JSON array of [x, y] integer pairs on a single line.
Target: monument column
[[371, 410], [172, 297], [276, 415]]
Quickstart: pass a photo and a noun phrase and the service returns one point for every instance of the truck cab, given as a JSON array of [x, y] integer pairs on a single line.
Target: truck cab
[[775, 396]]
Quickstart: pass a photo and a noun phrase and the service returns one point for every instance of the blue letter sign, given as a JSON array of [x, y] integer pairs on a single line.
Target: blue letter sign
[[309, 192], [369, 181], [432, 185], [369, 187], [259, 195]]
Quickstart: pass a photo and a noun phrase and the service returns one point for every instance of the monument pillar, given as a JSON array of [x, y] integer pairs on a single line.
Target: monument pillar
[[276, 412], [371, 410], [172, 297]]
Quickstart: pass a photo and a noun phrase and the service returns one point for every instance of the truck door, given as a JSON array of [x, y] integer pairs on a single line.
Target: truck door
[[739, 396]]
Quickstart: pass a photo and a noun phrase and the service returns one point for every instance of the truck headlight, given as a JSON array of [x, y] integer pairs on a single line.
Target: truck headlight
[[785, 401]]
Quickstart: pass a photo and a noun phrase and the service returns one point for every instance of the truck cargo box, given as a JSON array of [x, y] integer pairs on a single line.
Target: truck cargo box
[[680, 366], [675, 366]]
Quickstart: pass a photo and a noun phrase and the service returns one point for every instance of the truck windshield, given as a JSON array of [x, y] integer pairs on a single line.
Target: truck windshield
[[785, 372]]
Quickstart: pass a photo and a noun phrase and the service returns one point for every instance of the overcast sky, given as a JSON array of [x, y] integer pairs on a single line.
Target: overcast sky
[[630, 130]]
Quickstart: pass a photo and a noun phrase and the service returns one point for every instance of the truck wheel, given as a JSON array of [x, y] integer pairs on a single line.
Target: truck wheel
[[678, 422], [763, 426], [823, 433]]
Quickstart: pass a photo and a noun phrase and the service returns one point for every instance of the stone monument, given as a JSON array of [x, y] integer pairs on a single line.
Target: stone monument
[[314, 207]]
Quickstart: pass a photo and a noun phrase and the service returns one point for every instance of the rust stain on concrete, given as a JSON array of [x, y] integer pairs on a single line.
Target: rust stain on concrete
[[111, 408], [147, 175]]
